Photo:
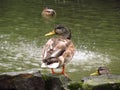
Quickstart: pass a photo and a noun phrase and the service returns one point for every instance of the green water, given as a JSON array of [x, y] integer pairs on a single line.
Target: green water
[[95, 26]]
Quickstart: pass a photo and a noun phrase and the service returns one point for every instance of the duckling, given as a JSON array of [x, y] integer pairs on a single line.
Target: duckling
[[48, 13], [59, 50], [100, 71]]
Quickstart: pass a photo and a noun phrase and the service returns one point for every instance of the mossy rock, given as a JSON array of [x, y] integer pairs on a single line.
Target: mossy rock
[[55, 82], [28, 80], [75, 86], [102, 82]]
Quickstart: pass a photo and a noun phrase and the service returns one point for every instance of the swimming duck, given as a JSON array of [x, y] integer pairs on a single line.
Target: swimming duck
[[100, 71], [58, 50], [48, 12]]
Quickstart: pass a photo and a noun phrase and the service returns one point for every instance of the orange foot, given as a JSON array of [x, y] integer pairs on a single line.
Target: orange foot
[[63, 72]]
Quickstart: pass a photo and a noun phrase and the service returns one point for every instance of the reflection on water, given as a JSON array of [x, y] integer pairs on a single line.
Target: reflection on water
[[95, 33]]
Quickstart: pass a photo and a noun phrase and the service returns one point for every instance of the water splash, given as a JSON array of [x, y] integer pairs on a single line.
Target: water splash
[[25, 55], [83, 56], [19, 55], [88, 59]]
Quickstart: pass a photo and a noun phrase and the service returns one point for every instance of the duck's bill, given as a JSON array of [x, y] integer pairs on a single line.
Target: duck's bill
[[50, 33], [94, 74]]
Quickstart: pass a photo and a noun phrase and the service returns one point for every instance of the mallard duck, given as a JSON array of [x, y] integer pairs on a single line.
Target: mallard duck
[[48, 12], [58, 50], [100, 71]]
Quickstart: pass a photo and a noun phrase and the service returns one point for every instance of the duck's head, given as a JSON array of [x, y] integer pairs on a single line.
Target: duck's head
[[100, 71], [48, 12], [61, 31]]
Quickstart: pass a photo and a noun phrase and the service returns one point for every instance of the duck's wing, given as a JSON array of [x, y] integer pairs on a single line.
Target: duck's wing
[[51, 52], [51, 49], [57, 50], [68, 54]]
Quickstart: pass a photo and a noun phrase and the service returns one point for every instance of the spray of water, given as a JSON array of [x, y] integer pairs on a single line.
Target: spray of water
[[88, 59], [27, 54]]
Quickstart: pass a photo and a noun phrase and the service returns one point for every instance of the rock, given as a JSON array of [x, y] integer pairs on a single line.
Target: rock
[[75, 86], [22, 81], [32, 80], [102, 82], [55, 82]]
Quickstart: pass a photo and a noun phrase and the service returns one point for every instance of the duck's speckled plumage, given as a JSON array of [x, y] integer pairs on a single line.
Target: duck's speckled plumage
[[58, 50]]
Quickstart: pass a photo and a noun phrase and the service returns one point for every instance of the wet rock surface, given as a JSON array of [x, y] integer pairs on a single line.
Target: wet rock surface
[[55, 82], [34, 80], [102, 82], [22, 81]]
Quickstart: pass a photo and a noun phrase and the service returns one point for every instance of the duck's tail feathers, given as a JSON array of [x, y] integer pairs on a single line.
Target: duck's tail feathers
[[53, 65]]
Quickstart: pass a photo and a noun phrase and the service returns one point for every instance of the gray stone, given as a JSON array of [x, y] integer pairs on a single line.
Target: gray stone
[[22, 81], [55, 82], [102, 82]]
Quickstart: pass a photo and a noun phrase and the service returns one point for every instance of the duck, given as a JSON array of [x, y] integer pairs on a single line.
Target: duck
[[59, 50], [48, 12], [100, 71]]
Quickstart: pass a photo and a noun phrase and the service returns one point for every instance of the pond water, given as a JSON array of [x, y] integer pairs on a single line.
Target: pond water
[[95, 27]]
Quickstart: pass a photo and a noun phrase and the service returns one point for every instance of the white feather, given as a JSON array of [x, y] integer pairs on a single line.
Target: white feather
[[43, 65], [53, 65]]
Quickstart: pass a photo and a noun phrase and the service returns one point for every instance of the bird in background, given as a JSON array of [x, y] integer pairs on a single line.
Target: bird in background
[[59, 50], [48, 13], [100, 71]]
